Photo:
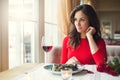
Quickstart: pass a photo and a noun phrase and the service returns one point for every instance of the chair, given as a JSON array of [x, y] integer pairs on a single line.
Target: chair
[[113, 51], [54, 55]]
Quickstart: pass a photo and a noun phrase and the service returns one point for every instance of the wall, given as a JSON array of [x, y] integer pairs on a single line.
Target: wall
[[0, 41], [41, 29], [109, 10], [114, 17], [3, 35], [108, 5]]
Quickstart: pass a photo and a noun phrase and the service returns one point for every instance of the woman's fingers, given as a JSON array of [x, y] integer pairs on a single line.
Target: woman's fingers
[[72, 60], [91, 30]]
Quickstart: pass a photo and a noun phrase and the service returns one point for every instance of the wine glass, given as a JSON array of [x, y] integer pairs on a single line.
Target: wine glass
[[47, 46]]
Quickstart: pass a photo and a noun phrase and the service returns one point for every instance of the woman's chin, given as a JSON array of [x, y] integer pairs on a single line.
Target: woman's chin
[[79, 31]]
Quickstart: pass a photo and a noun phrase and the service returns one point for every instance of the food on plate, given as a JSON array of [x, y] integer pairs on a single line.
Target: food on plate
[[58, 67]]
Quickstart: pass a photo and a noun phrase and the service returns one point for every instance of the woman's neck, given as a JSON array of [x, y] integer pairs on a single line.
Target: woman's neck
[[83, 35]]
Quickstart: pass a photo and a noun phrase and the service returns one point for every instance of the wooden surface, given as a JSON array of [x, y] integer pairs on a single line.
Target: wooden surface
[[9, 74]]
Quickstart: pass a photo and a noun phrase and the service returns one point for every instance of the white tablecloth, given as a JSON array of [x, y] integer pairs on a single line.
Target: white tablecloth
[[39, 73]]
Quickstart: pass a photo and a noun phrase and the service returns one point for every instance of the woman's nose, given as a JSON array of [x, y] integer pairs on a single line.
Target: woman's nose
[[78, 23]]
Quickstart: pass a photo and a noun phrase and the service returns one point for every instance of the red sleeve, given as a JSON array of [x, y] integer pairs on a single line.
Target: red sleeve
[[64, 53], [101, 55]]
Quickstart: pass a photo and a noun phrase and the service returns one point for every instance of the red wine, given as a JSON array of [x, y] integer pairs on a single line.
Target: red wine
[[47, 48]]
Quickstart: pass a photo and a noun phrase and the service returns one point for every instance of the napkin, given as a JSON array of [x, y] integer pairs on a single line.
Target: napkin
[[107, 69], [111, 67]]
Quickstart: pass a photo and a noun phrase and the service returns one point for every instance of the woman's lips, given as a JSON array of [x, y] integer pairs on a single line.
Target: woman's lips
[[78, 27]]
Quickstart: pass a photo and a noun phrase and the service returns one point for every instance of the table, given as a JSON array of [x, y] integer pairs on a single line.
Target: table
[[39, 73], [9, 74]]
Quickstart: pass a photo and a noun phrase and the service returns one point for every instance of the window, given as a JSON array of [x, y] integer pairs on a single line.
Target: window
[[23, 24], [51, 28]]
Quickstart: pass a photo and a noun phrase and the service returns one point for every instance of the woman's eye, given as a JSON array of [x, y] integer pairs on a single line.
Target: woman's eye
[[75, 19], [82, 19]]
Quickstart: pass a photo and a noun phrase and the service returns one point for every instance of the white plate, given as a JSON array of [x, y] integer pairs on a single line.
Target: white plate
[[49, 68]]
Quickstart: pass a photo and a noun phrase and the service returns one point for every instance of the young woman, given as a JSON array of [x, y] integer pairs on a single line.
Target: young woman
[[84, 44]]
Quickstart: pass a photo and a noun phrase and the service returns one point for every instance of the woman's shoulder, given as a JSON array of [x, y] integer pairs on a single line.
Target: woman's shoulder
[[101, 41], [66, 37], [66, 41]]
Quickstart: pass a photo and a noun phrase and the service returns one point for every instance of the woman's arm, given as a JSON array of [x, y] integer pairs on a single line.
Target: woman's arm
[[98, 49], [92, 43], [100, 56]]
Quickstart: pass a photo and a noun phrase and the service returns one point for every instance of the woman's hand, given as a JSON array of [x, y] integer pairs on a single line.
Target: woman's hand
[[73, 60], [90, 31], [89, 34]]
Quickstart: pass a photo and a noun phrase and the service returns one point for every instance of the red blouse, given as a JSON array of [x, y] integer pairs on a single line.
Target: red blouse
[[83, 53]]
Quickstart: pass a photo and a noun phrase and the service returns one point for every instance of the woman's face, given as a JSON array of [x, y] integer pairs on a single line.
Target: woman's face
[[81, 22]]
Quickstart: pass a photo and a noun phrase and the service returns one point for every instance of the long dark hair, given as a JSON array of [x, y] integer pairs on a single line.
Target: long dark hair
[[93, 21]]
